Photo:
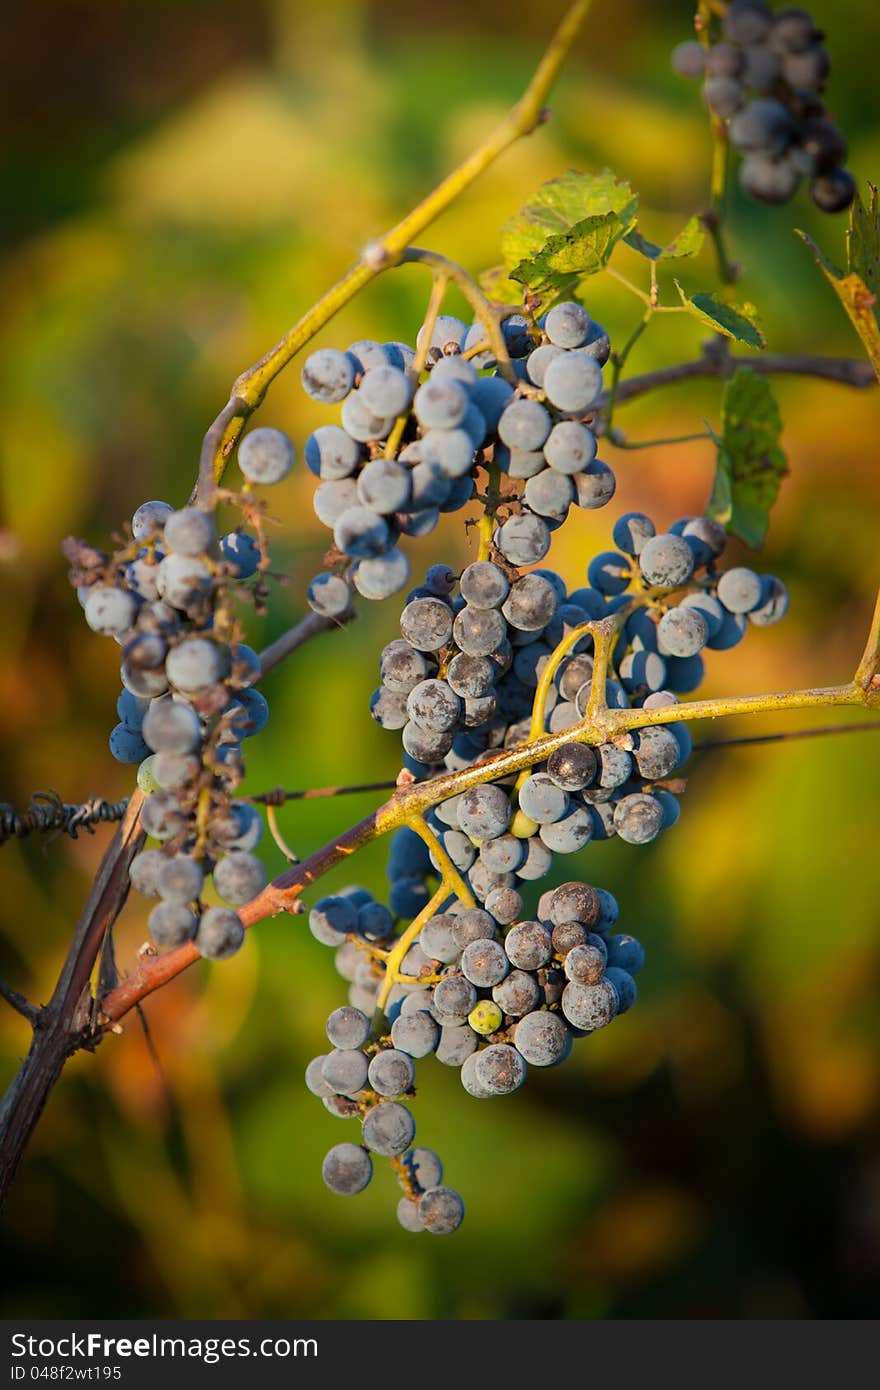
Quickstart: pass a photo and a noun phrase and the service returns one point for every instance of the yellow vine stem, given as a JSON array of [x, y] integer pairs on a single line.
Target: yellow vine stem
[[401, 946], [435, 303], [445, 867], [485, 531], [249, 389], [486, 312], [866, 672]]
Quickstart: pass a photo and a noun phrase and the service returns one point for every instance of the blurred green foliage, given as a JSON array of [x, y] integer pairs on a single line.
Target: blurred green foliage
[[179, 182]]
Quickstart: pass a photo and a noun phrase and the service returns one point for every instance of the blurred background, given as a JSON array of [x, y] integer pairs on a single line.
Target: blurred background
[[179, 182]]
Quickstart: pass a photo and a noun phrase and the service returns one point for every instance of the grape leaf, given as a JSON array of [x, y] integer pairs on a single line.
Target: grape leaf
[[751, 463], [688, 242], [740, 322], [863, 241], [568, 229], [851, 287], [498, 287]]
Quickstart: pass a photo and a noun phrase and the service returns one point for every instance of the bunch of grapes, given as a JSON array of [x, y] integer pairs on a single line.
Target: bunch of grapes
[[765, 78], [405, 452], [481, 991], [188, 699]]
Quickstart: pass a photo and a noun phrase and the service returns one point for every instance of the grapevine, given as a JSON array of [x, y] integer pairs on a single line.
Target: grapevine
[[534, 720]]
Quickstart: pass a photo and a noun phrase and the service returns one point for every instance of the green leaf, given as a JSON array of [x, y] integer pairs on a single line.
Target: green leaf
[[863, 241], [853, 287], [495, 283], [568, 229], [751, 464], [688, 242], [740, 323]]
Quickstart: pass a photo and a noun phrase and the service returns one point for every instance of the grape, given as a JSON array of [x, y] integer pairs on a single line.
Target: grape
[[314, 1079], [518, 464], [624, 987], [638, 818], [239, 877], [386, 391], [437, 939], [747, 21], [426, 624], [682, 631], [331, 453], [329, 596], [220, 933], [265, 455], [440, 404], [441, 1211], [570, 833], [391, 1073], [456, 368], [484, 963], [538, 860], [773, 604], [542, 800], [523, 540], [328, 375], [332, 499], [595, 486], [764, 126], [471, 677], [127, 745], [573, 382], [502, 855], [331, 920], [454, 997], [586, 963], [567, 325], [539, 361], [149, 518], [384, 486], [460, 493], [195, 664], [740, 589], [573, 902], [382, 576], [505, 905], [190, 531], [567, 936], [689, 59], [110, 611], [500, 1069], [724, 60], [531, 603], [518, 994], [448, 331], [484, 812], [723, 95], [657, 752], [408, 1215], [180, 879], [388, 1128], [434, 706], [484, 585], [762, 69], [524, 425], [457, 1042], [768, 180], [183, 580], [731, 631], [240, 551], [485, 1018], [347, 1168], [144, 872], [712, 612], [478, 631], [490, 395], [807, 71], [609, 572], [171, 925], [627, 953], [549, 494], [416, 1034], [632, 530], [666, 560], [824, 144], [669, 806], [542, 1039], [450, 452], [472, 925], [345, 1070], [590, 1006], [161, 816], [341, 1106], [360, 422], [833, 192], [598, 344], [361, 532], [528, 945]]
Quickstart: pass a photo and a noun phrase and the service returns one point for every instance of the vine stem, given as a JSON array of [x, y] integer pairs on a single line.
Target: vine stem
[[396, 955], [250, 388], [599, 725]]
